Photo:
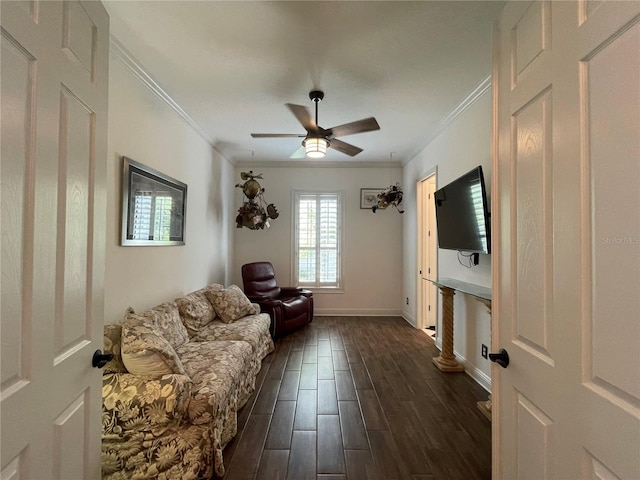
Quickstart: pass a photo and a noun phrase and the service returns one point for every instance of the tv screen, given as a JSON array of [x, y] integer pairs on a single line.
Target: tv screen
[[462, 216]]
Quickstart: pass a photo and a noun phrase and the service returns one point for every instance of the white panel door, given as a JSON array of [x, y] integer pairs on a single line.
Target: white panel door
[[567, 227], [53, 179], [427, 252]]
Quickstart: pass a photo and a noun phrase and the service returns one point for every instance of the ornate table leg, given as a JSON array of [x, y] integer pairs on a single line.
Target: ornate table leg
[[485, 407], [447, 361]]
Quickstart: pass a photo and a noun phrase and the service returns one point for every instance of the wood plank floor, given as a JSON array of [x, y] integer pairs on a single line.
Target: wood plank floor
[[350, 398]]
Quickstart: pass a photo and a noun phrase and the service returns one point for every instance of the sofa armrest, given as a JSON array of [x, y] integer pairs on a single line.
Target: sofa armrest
[[135, 403]]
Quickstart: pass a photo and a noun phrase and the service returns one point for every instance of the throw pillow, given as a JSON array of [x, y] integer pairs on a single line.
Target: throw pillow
[[145, 351], [230, 303], [112, 343], [196, 311], [166, 318]]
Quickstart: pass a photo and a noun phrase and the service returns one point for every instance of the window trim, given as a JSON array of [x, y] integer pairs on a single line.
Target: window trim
[[295, 195]]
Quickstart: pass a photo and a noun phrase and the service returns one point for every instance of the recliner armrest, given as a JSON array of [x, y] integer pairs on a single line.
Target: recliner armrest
[[295, 291], [264, 301]]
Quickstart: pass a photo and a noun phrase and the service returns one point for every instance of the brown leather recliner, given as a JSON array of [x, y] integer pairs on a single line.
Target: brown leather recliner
[[289, 308]]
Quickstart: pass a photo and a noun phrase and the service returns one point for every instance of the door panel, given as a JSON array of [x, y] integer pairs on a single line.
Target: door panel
[[531, 135], [613, 192], [53, 174], [567, 223], [534, 429], [75, 164]]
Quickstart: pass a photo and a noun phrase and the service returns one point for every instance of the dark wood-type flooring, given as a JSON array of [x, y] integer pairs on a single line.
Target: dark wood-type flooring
[[350, 398]]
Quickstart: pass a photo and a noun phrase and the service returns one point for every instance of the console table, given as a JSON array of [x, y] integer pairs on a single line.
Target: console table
[[446, 361]]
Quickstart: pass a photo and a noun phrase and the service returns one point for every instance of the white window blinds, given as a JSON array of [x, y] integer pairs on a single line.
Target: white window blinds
[[317, 242]]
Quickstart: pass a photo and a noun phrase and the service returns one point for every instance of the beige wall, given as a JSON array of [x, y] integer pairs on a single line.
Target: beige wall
[[380, 249], [463, 145], [144, 128], [372, 242]]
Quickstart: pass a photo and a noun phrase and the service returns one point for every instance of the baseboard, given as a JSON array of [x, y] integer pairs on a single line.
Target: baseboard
[[410, 319], [478, 375], [470, 369], [356, 312]]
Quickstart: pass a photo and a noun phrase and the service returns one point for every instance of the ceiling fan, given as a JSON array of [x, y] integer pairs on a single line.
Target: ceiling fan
[[318, 139]]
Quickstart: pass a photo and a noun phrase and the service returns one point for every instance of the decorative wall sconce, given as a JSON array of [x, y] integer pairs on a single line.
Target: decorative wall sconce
[[392, 195], [254, 213]]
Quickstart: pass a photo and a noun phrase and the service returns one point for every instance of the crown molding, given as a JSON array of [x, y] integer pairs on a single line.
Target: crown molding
[[315, 164], [483, 88], [126, 58]]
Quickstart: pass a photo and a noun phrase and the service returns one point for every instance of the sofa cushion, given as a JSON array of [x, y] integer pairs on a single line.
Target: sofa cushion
[[230, 303], [251, 328], [218, 370], [166, 318], [196, 310], [145, 350]]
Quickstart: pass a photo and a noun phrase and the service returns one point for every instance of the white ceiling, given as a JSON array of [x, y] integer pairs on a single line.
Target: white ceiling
[[233, 65]]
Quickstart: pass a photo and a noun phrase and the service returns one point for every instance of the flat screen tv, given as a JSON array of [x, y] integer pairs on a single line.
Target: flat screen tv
[[462, 215]]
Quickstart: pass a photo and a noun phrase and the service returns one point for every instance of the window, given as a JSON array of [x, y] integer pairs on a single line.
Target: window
[[152, 216], [317, 228]]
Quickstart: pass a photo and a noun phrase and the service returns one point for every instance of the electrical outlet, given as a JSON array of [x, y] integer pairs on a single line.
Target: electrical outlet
[[485, 351], [407, 300]]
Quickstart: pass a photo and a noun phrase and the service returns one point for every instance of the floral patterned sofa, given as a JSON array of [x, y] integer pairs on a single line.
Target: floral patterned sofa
[[180, 373]]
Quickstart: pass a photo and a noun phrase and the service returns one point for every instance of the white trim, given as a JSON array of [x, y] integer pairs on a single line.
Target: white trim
[[473, 97], [356, 312], [474, 372], [470, 369], [118, 51], [410, 319], [317, 164]]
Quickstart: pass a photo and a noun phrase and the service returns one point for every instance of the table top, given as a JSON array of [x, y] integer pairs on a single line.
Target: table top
[[464, 287]]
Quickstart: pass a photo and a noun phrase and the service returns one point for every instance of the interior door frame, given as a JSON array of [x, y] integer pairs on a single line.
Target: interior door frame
[[496, 215], [422, 243]]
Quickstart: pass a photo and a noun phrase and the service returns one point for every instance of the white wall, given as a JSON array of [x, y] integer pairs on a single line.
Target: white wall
[[463, 145], [372, 242], [144, 128]]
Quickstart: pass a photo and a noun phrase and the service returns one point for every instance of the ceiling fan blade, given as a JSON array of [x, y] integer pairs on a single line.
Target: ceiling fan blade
[[299, 153], [303, 116], [277, 135], [345, 147], [360, 126]]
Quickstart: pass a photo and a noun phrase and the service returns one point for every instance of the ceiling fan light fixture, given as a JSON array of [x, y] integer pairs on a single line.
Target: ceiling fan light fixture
[[315, 147]]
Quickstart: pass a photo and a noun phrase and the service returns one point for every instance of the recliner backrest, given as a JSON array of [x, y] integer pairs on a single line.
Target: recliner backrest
[[259, 278]]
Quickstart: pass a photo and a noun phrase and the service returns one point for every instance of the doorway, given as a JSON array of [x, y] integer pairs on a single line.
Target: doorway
[[427, 305]]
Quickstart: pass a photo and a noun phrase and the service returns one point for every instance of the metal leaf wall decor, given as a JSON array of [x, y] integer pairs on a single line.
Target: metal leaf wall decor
[[254, 213]]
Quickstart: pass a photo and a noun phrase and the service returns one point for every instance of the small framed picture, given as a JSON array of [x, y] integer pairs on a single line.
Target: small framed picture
[[369, 197]]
